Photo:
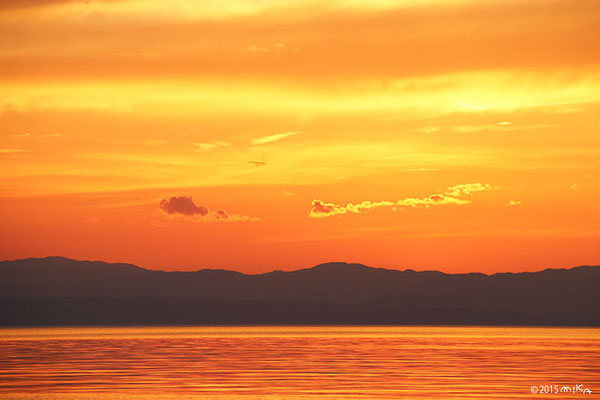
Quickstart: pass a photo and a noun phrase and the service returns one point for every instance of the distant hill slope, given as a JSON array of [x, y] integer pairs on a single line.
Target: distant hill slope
[[56, 290]]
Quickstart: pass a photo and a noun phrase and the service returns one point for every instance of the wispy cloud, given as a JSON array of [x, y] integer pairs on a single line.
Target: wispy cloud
[[266, 49], [453, 195], [44, 135], [11, 151], [256, 163], [210, 145], [272, 138], [421, 169]]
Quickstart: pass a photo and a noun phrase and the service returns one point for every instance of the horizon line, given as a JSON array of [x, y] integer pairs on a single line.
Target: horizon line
[[300, 269]]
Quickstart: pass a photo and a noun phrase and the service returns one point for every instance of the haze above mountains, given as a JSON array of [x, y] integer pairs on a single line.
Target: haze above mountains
[[56, 290]]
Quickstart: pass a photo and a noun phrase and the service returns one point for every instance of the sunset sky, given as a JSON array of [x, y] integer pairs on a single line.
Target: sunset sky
[[254, 135]]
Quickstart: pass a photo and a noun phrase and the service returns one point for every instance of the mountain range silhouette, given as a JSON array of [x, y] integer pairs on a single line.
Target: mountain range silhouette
[[61, 291]]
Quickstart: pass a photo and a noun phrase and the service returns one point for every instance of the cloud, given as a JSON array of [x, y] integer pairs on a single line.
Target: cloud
[[367, 205], [185, 206], [182, 205], [467, 188], [320, 209], [272, 138], [421, 169], [257, 163], [49, 135], [514, 202], [263, 49], [11, 151], [258, 49], [433, 200], [452, 195], [211, 145], [221, 214]]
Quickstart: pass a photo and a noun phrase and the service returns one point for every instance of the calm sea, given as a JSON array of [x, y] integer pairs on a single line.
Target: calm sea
[[299, 363]]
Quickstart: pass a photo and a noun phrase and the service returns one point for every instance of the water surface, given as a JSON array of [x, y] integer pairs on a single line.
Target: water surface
[[297, 362]]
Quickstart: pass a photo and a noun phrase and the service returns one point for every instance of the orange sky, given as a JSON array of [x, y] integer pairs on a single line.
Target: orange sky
[[254, 135]]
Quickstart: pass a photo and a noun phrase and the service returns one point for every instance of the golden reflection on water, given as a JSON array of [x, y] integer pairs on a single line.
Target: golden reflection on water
[[283, 362]]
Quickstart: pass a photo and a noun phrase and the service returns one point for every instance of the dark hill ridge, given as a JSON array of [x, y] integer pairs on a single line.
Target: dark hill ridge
[[56, 290]]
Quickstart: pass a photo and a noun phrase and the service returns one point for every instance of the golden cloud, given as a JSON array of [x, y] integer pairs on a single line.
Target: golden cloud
[[452, 195]]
